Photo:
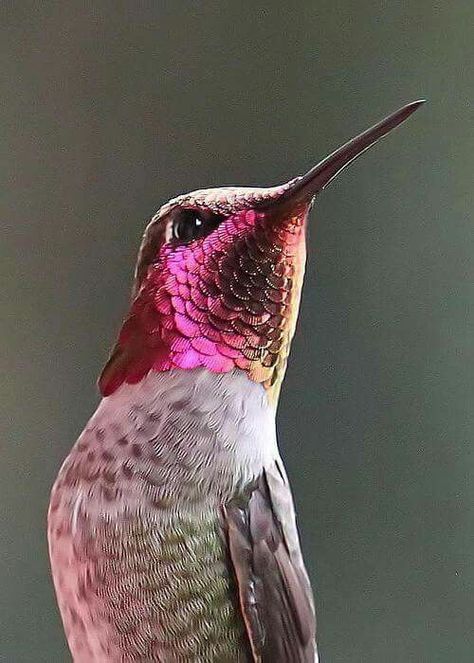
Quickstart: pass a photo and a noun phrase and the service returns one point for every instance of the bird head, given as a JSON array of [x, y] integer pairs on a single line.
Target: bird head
[[219, 276]]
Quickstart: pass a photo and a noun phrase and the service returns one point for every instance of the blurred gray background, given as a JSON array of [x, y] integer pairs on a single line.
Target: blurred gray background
[[108, 109]]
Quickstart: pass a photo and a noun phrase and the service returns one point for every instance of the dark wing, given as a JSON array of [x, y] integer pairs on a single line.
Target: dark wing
[[274, 591]]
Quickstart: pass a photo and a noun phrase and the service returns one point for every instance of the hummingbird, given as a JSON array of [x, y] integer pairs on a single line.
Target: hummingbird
[[171, 524]]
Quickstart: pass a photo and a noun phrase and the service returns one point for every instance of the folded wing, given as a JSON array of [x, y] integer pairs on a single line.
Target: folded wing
[[274, 591]]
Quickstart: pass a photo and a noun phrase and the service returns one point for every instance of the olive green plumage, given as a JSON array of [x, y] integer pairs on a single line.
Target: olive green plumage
[[176, 582]]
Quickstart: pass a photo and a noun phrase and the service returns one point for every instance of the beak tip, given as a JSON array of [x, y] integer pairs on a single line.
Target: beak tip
[[413, 105]]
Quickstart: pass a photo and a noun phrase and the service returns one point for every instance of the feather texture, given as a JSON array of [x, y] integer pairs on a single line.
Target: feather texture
[[275, 598], [140, 564]]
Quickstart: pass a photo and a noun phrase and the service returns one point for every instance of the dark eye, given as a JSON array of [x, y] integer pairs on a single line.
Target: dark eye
[[189, 224]]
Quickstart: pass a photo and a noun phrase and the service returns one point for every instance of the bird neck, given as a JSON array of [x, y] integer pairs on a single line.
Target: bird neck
[[189, 433]]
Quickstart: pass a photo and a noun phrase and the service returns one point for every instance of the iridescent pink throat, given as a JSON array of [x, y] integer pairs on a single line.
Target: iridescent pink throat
[[225, 301]]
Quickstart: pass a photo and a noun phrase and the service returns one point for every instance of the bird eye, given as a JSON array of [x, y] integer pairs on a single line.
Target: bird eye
[[189, 224]]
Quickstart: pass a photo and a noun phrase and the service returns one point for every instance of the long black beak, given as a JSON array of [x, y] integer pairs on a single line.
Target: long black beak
[[304, 188]]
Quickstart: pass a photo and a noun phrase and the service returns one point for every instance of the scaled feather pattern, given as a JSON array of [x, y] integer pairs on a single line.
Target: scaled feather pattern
[[226, 301]]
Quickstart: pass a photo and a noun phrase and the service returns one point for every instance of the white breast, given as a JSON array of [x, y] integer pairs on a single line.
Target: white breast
[[226, 412], [184, 432]]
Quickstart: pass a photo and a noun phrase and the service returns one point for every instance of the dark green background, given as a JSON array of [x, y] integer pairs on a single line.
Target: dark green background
[[107, 109]]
